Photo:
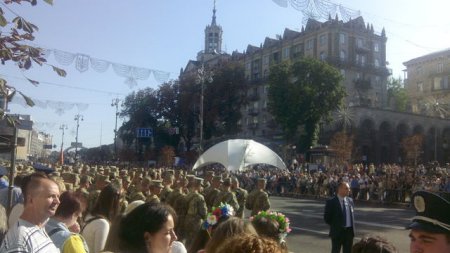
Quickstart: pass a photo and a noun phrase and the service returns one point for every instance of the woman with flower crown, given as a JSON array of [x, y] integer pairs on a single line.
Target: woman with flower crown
[[273, 225]]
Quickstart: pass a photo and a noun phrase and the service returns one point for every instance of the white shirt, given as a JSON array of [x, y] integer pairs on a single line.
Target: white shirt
[[95, 233]]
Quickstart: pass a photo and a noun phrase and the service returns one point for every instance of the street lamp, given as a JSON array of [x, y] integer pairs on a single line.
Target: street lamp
[[63, 127], [115, 103], [203, 76], [77, 118]]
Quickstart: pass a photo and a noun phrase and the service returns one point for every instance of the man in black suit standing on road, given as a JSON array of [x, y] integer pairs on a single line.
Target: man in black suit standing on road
[[339, 216]]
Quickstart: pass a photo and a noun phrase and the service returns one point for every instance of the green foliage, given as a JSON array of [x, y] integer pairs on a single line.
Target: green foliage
[[302, 94], [13, 47], [397, 96]]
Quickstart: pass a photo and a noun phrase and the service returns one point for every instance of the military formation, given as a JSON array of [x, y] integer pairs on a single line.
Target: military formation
[[191, 196]]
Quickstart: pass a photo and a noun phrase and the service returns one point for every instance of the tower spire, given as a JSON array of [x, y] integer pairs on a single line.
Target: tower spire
[[213, 22]]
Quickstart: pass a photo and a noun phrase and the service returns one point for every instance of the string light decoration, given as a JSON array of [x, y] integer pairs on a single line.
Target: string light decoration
[[319, 9], [83, 62]]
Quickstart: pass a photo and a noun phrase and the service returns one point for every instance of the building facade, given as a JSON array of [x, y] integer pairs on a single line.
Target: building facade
[[427, 83], [352, 47]]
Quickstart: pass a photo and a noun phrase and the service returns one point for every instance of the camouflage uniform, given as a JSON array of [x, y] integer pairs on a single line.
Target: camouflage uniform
[[137, 196], [153, 198], [165, 193], [196, 213], [180, 206], [227, 197], [92, 200], [211, 197], [241, 197], [258, 200]]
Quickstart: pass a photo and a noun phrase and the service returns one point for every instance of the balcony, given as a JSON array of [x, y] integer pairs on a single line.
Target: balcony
[[253, 111], [362, 49], [362, 84]]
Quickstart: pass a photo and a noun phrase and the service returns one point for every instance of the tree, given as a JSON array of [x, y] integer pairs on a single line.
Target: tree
[[223, 98], [397, 97], [14, 46], [302, 94], [342, 143], [412, 148]]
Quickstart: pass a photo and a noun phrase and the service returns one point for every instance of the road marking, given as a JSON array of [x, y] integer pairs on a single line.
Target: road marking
[[357, 222], [318, 232]]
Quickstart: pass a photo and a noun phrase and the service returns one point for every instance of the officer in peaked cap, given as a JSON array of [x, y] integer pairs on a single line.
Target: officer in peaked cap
[[430, 229]]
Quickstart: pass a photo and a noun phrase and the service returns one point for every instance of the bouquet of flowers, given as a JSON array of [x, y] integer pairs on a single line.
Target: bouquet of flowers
[[223, 210], [280, 218]]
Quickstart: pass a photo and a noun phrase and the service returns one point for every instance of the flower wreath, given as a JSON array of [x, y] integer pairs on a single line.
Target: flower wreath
[[223, 210], [280, 218]]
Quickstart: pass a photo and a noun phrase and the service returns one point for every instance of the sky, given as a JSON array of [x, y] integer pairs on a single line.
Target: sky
[[163, 35]]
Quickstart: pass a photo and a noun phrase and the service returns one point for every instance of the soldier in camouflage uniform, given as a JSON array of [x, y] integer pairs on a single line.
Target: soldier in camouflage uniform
[[155, 191], [214, 192], [258, 199], [226, 195], [177, 199], [167, 182], [196, 211], [241, 196], [142, 190], [207, 182]]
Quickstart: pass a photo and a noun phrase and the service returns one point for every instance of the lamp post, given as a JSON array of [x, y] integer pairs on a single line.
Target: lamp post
[[115, 103], [63, 127], [77, 118], [203, 76]]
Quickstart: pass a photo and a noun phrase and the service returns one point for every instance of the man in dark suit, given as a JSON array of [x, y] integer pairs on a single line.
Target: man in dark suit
[[339, 216]]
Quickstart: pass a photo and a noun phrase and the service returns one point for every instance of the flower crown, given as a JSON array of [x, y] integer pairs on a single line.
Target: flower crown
[[280, 218], [223, 210]]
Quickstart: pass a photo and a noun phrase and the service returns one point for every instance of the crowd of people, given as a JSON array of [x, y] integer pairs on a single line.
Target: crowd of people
[[110, 209], [386, 183]]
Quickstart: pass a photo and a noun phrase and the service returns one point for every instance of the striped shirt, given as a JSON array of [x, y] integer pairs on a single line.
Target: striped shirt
[[26, 237]]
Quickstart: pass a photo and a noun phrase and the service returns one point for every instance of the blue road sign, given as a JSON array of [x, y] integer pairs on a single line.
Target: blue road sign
[[144, 132]]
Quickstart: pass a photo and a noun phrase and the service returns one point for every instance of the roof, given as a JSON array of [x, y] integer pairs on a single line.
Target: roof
[[427, 57]]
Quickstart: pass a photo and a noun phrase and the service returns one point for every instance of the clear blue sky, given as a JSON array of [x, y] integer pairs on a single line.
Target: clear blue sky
[[164, 35]]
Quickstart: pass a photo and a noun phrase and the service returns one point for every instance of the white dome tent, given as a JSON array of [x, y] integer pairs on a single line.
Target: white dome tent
[[236, 154]]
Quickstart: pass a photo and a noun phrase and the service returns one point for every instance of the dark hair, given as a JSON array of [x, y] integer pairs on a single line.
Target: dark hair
[[374, 244], [267, 227], [32, 182], [69, 204], [149, 217], [107, 205]]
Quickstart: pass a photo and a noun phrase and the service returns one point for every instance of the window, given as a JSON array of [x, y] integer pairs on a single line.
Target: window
[[323, 39], [323, 56], [343, 73], [255, 120], [359, 42], [342, 38], [266, 89], [363, 60], [377, 63], [377, 80], [419, 70], [343, 55], [376, 47], [266, 59], [420, 87], [438, 83], [440, 67], [309, 44], [285, 53]]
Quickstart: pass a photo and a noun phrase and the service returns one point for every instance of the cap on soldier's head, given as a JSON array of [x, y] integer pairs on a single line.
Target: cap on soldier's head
[[227, 181], [157, 183], [432, 213], [198, 180]]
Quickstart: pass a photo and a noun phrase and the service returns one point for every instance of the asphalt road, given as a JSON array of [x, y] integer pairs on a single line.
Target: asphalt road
[[310, 233]]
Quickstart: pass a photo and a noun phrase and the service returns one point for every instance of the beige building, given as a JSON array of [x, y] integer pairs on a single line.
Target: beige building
[[353, 47], [427, 81]]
